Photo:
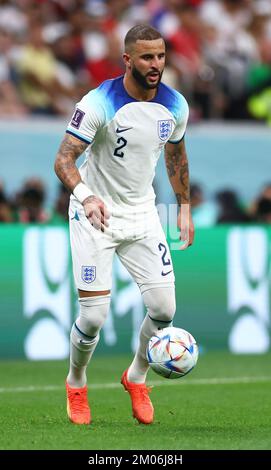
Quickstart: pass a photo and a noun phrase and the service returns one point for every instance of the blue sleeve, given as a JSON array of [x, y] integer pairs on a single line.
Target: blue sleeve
[[181, 113]]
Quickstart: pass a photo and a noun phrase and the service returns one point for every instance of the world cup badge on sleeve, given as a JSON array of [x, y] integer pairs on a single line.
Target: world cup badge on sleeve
[[77, 118], [88, 274], [164, 129]]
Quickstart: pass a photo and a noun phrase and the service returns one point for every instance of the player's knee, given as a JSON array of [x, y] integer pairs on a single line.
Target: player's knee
[[165, 310], [93, 313], [160, 303]]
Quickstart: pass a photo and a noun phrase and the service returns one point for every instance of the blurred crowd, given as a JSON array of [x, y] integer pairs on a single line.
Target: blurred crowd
[[29, 204], [218, 53], [224, 207]]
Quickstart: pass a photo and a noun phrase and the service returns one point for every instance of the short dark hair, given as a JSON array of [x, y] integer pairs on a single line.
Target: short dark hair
[[142, 32]]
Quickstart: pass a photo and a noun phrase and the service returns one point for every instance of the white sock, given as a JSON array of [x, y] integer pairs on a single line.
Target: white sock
[[138, 369], [160, 303], [81, 350], [85, 336]]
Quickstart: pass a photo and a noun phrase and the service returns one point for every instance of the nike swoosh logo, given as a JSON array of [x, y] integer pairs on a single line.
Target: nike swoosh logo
[[84, 342], [122, 129], [165, 274]]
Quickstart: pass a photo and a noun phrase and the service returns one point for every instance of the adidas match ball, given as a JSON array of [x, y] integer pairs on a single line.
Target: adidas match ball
[[172, 352]]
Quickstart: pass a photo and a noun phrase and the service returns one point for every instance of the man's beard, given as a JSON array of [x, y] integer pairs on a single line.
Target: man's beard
[[142, 81]]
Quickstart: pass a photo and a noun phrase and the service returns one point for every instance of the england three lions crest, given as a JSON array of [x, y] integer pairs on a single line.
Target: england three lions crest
[[88, 274], [164, 129]]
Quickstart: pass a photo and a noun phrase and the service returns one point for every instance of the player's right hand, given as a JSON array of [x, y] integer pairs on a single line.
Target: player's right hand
[[96, 212]]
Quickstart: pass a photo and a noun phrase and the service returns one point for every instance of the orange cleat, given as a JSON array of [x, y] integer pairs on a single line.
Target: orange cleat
[[77, 405], [141, 404]]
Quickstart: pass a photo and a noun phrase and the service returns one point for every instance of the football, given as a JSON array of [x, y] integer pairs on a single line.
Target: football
[[172, 352]]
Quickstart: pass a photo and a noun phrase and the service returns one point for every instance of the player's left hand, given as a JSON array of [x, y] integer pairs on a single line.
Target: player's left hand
[[186, 226]]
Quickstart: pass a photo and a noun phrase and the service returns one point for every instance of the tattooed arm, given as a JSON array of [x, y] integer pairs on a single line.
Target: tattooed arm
[[65, 168], [177, 168], [178, 173], [70, 150]]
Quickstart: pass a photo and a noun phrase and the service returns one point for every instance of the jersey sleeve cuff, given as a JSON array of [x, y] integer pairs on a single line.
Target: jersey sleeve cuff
[[80, 137], [176, 141]]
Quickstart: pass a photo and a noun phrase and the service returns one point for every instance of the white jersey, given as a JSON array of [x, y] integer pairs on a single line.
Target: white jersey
[[125, 138]]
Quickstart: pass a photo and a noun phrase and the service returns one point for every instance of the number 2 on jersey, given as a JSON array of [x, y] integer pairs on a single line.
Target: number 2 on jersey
[[163, 248], [121, 144]]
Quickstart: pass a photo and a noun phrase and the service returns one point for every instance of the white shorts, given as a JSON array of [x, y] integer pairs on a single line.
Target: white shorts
[[139, 242]]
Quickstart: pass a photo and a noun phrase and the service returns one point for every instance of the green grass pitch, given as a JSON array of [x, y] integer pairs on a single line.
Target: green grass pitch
[[224, 403]]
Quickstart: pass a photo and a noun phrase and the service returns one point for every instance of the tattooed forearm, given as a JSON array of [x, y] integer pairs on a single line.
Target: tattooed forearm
[[65, 168], [177, 168], [179, 198], [172, 163]]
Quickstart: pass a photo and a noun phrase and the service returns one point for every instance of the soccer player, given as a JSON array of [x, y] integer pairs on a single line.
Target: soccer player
[[123, 125]]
